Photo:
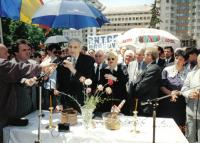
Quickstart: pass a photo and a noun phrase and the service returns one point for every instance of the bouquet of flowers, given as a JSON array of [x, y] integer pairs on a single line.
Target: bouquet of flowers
[[91, 99]]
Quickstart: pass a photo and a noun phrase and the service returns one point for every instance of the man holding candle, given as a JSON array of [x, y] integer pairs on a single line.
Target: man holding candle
[[147, 84]]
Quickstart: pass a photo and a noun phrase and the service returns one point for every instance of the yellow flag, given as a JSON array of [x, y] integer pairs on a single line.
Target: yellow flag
[[28, 8]]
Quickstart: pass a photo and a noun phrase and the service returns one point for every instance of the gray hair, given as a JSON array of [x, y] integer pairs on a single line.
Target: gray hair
[[75, 40], [153, 51], [140, 51]]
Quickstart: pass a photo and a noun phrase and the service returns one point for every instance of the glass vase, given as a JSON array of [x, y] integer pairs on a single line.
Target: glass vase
[[87, 114]]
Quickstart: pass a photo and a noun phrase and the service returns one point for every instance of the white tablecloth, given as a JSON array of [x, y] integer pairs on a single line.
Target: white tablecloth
[[166, 132]]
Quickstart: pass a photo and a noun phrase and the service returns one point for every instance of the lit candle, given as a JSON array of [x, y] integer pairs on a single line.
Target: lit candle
[[50, 100], [136, 104]]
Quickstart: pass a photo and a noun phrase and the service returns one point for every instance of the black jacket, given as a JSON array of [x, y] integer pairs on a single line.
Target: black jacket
[[70, 84]]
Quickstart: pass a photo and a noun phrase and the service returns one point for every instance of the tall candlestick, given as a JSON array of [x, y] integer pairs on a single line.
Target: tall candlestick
[[136, 104]]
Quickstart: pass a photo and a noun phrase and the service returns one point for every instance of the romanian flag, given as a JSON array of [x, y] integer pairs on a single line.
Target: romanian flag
[[22, 10]]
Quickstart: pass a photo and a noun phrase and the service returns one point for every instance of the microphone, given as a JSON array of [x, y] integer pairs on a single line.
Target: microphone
[[69, 59], [41, 76]]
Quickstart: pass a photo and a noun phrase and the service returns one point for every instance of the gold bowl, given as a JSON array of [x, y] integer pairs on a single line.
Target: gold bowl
[[112, 120], [69, 116]]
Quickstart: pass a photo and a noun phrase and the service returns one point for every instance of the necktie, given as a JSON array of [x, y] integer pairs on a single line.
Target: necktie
[[97, 73], [74, 61], [167, 61], [139, 66]]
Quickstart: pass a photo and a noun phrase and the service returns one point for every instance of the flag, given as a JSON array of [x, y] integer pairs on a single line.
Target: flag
[[22, 10]]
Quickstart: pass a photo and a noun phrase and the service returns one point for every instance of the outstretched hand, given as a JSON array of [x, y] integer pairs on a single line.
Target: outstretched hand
[[174, 95]]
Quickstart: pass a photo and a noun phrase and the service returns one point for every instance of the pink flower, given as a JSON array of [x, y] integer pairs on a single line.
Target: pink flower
[[88, 82], [88, 90], [82, 79], [108, 90], [100, 87]]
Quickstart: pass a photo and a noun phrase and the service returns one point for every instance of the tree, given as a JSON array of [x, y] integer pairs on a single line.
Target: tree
[[155, 16], [13, 30]]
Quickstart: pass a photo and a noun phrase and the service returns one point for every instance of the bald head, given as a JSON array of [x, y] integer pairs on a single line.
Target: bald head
[[3, 52]]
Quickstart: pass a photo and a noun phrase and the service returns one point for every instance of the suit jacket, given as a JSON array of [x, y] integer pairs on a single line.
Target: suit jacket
[[146, 86], [133, 70], [161, 63], [192, 80], [70, 84], [10, 75], [26, 96], [171, 61], [118, 88], [103, 66]]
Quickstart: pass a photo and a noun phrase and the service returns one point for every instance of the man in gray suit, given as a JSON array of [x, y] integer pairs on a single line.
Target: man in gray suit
[[137, 66], [147, 84]]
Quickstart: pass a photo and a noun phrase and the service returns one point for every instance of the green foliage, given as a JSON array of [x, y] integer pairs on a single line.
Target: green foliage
[[155, 16], [13, 30]]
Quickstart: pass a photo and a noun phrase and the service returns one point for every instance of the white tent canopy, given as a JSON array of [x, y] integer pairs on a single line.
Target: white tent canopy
[[147, 37]]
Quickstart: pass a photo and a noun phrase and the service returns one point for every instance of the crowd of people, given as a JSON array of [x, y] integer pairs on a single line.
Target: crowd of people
[[137, 75]]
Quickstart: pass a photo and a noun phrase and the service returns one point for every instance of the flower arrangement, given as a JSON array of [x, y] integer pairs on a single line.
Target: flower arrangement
[[91, 99]]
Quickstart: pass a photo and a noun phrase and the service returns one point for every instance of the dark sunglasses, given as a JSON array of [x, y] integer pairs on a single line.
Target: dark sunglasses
[[111, 59], [57, 52], [98, 55]]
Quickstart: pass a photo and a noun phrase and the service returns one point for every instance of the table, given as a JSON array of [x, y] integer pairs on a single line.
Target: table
[[166, 132]]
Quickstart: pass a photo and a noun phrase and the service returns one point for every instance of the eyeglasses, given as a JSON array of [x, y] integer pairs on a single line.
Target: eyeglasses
[[26, 50], [98, 55], [109, 59], [57, 52]]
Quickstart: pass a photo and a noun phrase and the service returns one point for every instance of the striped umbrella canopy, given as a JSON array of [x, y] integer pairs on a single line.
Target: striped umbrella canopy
[[69, 14], [147, 37]]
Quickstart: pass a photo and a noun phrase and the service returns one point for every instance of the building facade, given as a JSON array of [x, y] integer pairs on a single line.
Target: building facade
[[181, 18], [124, 18]]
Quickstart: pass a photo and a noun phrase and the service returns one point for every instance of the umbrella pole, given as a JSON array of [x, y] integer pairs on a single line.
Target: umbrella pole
[[1, 32]]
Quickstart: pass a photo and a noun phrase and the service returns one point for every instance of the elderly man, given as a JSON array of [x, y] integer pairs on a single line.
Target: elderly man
[[68, 76], [147, 84], [137, 66], [129, 56], [99, 65]]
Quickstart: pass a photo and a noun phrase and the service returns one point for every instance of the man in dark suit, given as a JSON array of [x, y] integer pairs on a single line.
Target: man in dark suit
[[147, 83], [160, 61], [99, 65], [169, 55], [68, 75]]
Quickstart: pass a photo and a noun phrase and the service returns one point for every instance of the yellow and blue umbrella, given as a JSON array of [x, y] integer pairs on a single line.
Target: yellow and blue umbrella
[[22, 10], [69, 14]]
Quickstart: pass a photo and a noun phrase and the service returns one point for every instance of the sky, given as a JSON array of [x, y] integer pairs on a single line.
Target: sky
[[117, 3]]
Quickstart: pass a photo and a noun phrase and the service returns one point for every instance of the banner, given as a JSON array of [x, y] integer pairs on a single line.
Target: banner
[[102, 41]]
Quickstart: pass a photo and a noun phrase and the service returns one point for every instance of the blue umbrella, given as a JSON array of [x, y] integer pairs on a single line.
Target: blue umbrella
[[69, 14]]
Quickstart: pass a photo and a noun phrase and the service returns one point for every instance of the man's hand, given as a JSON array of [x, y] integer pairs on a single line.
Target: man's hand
[[30, 81], [110, 76], [194, 94], [48, 68], [174, 95], [70, 66]]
